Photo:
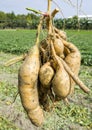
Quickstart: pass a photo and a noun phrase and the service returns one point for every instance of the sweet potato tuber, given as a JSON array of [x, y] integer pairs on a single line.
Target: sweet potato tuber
[[28, 80], [28, 74], [59, 47], [61, 81], [46, 74], [60, 33]]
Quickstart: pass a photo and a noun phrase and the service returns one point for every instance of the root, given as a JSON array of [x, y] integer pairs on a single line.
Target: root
[[15, 60]]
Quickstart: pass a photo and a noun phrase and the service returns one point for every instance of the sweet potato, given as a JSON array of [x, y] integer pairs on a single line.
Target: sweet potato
[[27, 84], [59, 47], [61, 81], [60, 33], [46, 74]]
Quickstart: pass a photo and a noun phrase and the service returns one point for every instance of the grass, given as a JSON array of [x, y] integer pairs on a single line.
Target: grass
[[78, 115], [83, 40], [6, 125], [66, 116], [17, 41]]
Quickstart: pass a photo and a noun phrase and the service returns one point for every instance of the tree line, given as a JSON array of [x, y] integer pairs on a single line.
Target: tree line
[[30, 21], [10, 20]]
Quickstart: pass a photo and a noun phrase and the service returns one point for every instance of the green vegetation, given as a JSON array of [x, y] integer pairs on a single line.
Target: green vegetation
[[66, 116], [7, 125], [16, 41], [10, 20], [30, 21], [83, 40], [19, 41]]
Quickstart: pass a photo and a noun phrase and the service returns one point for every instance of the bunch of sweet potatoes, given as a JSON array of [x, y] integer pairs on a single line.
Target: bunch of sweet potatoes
[[48, 73]]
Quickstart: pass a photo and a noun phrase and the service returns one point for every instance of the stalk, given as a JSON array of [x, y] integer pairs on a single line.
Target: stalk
[[38, 31], [35, 11], [14, 60]]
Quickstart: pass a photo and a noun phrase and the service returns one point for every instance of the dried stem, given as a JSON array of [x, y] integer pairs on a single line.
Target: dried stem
[[54, 12], [35, 11], [38, 30], [49, 6], [15, 97], [49, 21], [14, 60]]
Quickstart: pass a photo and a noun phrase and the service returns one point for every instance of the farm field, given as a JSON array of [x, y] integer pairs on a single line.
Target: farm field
[[19, 41], [76, 116]]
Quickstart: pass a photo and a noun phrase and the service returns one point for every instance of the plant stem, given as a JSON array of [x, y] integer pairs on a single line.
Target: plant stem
[[35, 11], [49, 21], [38, 31], [49, 6], [14, 60]]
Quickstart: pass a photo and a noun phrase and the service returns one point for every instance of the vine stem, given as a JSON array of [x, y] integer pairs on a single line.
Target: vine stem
[[49, 6], [49, 21], [38, 30], [35, 11], [15, 59]]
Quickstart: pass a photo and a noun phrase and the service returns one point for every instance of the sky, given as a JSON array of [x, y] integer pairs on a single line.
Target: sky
[[67, 9]]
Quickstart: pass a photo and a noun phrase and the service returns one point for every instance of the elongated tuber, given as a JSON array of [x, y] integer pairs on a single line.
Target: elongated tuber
[[28, 75], [61, 81]]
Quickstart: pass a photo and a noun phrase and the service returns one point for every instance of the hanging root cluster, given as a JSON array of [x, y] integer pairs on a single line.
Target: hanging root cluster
[[49, 72]]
